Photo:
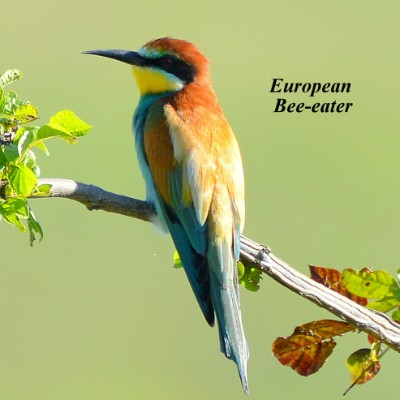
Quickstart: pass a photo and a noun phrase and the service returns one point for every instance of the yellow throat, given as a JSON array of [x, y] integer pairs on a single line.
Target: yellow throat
[[151, 81]]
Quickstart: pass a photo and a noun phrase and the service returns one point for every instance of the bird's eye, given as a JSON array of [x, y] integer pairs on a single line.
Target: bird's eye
[[166, 61]]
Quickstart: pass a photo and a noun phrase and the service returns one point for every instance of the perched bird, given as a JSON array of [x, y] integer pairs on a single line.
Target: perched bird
[[192, 166]]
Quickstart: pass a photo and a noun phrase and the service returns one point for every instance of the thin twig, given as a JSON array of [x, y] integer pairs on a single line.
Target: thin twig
[[260, 256]]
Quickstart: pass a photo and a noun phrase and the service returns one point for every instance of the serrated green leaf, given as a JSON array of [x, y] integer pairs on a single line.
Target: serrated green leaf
[[369, 284], [22, 179], [71, 123], [177, 260], [10, 76]]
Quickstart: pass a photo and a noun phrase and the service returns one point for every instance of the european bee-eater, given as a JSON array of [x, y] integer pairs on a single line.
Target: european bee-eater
[[192, 166]]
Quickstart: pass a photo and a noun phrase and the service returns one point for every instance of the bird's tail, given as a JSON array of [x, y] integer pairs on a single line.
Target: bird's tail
[[225, 298]]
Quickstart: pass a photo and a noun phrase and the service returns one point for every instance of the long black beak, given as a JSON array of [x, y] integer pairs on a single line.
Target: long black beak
[[126, 56]]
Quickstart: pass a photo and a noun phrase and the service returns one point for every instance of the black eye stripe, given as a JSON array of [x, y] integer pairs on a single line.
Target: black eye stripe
[[182, 70]]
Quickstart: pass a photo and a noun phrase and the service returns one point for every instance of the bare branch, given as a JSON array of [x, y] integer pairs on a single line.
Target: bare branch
[[260, 256], [95, 198]]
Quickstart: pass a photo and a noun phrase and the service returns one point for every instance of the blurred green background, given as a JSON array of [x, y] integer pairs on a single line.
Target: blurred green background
[[96, 310]]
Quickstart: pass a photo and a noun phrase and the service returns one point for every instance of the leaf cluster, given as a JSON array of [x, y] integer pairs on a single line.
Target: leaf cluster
[[19, 170], [309, 346]]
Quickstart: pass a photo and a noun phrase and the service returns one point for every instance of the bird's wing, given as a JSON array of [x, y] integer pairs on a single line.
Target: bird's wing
[[210, 161], [209, 155], [176, 203], [197, 172]]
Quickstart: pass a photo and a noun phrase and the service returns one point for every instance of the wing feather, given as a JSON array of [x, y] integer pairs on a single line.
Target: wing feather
[[176, 204]]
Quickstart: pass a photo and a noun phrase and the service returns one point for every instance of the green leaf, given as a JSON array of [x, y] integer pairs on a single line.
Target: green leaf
[[251, 279], [15, 205], [40, 145], [10, 104], [241, 270], [248, 277], [42, 190], [51, 130], [26, 113], [26, 140], [11, 152], [177, 260], [384, 305], [71, 123], [10, 76], [2, 158], [396, 315], [18, 164], [363, 365], [370, 284], [13, 209], [2, 100], [30, 161], [14, 219], [22, 179], [34, 228]]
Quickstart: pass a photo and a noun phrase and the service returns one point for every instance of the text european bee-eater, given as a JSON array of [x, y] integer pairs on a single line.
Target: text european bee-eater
[[191, 163]]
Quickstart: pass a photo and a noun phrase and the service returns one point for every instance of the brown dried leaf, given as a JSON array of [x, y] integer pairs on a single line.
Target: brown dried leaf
[[324, 328], [307, 349], [304, 354]]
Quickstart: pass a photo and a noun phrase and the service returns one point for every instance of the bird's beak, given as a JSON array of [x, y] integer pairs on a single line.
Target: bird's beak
[[126, 56]]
